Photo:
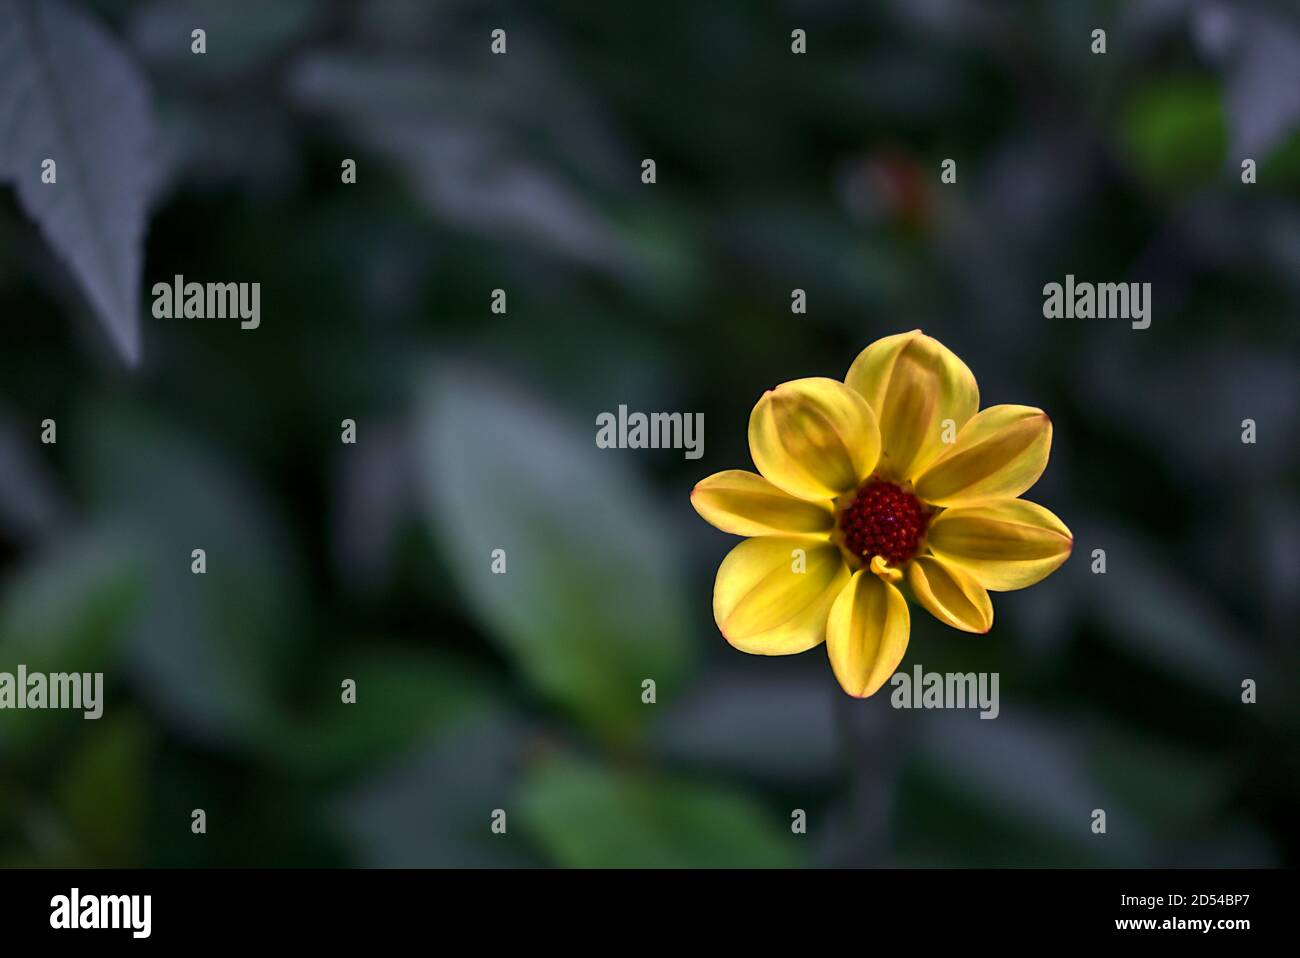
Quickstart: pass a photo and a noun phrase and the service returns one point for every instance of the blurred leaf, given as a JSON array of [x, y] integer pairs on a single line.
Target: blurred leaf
[[1149, 610], [1216, 381], [216, 144], [590, 605], [101, 793], [588, 817], [1283, 168], [67, 610], [1029, 770], [67, 603], [209, 648], [240, 33], [1174, 790], [1260, 54], [373, 500], [1231, 844], [31, 504], [470, 166], [403, 696], [435, 809], [1174, 131], [68, 93], [774, 729]]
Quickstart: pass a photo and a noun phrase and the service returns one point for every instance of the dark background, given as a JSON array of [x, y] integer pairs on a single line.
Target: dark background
[[475, 431]]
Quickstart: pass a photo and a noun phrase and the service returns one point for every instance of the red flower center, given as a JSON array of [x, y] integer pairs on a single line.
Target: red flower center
[[884, 520]]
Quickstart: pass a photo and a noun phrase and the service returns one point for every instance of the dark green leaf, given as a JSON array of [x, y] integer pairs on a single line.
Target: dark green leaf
[[590, 605], [585, 816]]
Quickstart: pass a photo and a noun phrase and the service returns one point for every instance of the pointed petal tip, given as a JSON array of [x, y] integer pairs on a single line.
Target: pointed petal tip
[[855, 691]]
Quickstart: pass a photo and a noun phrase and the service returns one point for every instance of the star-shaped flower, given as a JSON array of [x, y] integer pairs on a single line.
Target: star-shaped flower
[[888, 482]]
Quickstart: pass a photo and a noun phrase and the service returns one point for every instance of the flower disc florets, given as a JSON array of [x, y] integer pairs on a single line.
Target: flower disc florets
[[884, 520]]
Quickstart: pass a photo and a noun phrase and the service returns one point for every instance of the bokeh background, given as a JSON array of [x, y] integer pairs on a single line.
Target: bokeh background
[[522, 692]]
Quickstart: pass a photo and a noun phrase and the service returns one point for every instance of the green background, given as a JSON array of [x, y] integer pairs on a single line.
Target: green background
[[475, 431]]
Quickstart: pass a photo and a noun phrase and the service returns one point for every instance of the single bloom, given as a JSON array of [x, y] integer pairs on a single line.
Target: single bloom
[[889, 485]]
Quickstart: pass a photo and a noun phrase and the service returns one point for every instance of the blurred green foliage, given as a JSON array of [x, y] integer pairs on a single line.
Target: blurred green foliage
[[523, 692]]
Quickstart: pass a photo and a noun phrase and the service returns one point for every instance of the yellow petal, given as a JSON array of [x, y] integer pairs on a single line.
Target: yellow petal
[[764, 606], [880, 566], [998, 455], [1004, 544], [950, 595], [814, 438], [746, 504], [913, 383], [867, 633]]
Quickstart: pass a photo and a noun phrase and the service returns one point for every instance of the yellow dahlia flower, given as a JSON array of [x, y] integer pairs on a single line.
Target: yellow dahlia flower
[[888, 481]]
